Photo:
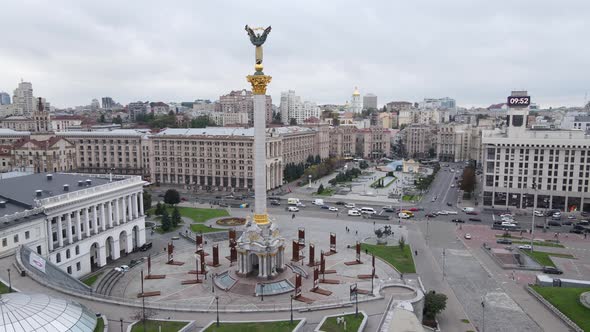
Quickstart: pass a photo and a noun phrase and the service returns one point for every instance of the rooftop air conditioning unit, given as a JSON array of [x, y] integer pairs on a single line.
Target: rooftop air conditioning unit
[[38, 193], [49, 177], [66, 187]]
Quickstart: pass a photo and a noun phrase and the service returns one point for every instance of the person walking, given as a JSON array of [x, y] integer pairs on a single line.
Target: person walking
[[416, 252], [293, 216]]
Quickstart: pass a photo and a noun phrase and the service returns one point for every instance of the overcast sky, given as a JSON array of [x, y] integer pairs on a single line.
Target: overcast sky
[[473, 51]]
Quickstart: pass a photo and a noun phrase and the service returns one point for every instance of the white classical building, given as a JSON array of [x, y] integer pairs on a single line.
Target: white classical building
[[76, 221], [356, 104]]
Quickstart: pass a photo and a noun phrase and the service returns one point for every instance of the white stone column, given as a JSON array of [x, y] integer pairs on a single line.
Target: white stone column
[[129, 208], [50, 235], [69, 230], [134, 206], [141, 211], [110, 213], [87, 222], [124, 210], [259, 154], [60, 237], [78, 225], [116, 250], [102, 256], [103, 221], [95, 219], [117, 212], [129, 243]]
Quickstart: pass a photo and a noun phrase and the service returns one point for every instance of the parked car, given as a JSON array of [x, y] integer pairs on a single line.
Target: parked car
[[538, 213], [340, 203], [442, 213], [571, 216], [525, 247], [553, 223], [449, 204], [551, 270], [430, 215], [368, 210], [403, 215], [468, 236], [475, 219], [333, 209], [452, 185], [567, 222], [458, 220], [293, 209], [349, 205], [122, 268], [473, 213], [146, 246], [183, 199], [584, 214], [388, 209], [504, 241], [414, 209], [325, 207], [354, 213]]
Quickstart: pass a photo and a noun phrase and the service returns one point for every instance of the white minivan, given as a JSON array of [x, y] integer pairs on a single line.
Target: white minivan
[[368, 210]]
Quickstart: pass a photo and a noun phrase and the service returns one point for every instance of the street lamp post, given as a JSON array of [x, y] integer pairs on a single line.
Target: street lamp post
[[9, 282], [121, 324], [217, 302], [213, 283], [309, 184], [291, 308], [262, 292], [534, 211], [483, 315], [443, 265]]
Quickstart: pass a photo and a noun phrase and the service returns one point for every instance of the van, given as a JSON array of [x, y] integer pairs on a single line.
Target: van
[[293, 201], [468, 209], [318, 201], [368, 210]]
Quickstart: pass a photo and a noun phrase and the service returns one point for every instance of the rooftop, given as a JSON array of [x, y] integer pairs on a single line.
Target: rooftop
[[116, 132], [10, 132], [21, 192]]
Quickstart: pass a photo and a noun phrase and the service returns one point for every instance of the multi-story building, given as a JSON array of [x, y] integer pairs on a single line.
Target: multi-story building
[[459, 142], [4, 98], [136, 108], [343, 141], [213, 157], [420, 140], [23, 99], [6, 163], [373, 143], [159, 108], [297, 143], [369, 101], [37, 121], [117, 151], [438, 103], [396, 106], [535, 168], [292, 107], [44, 154], [356, 104], [322, 137], [242, 101], [228, 119], [10, 136], [75, 221], [66, 122], [108, 103]]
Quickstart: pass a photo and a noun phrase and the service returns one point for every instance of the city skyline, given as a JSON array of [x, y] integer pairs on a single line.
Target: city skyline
[[474, 55]]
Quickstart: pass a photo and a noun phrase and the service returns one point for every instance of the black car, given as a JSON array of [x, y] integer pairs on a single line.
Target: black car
[[475, 219], [146, 246], [553, 223], [584, 214], [449, 204], [389, 209], [551, 270], [503, 241], [217, 197], [340, 203], [275, 203], [430, 215], [567, 222], [458, 220]]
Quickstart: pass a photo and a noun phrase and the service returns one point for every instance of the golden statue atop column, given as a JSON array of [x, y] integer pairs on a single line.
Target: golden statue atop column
[[259, 81]]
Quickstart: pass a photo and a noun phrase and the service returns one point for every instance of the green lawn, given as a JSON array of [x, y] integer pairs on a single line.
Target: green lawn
[[91, 280], [407, 198], [385, 185], [4, 288], [402, 260], [196, 214], [352, 323], [153, 326], [542, 257], [280, 326], [567, 300], [521, 240], [326, 192], [99, 325], [200, 228], [159, 229]]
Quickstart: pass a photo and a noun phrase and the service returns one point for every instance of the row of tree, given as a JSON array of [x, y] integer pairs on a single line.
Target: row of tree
[[322, 169], [294, 171], [169, 120], [168, 222], [347, 176]]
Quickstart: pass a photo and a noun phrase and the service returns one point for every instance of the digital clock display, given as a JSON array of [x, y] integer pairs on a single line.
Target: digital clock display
[[521, 101]]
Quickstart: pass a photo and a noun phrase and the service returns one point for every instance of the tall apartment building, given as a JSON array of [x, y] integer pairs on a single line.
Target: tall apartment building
[[118, 151], [213, 157], [420, 140], [369, 101], [139, 107], [343, 141], [4, 98], [292, 107], [459, 142], [523, 168], [108, 103], [23, 99], [242, 101]]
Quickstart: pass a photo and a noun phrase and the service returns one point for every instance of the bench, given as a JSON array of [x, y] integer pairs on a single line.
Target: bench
[[148, 294]]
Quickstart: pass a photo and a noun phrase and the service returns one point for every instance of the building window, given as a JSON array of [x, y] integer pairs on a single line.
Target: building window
[[39, 250], [78, 267], [58, 257], [27, 235], [69, 270], [16, 238], [77, 250], [68, 254], [4, 242]]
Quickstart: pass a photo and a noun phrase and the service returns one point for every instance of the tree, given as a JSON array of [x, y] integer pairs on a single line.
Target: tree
[[320, 189], [202, 121], [147, 200], [118, 120], [468, 181], [318, 159], [432, 152], [292, 122], [434, 303], [364, 164], [176, 219], [402, 243], [159, 209], [166, 223], [171, 197], [101, 119]]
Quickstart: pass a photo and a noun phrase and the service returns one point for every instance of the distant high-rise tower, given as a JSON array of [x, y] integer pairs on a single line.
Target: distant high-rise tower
[[23, 99], [356, 104], [107, 102], [369, 101], [4, 98]]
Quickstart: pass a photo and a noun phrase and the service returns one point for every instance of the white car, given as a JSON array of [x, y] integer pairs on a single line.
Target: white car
[[452, 185], [122, 268], [468, 236], [571, 216], [538, 214], [525, 247], [355, 213], [442, 213], [293, 209], [403, 215], [452, 212], [333, 209], [350, 205]]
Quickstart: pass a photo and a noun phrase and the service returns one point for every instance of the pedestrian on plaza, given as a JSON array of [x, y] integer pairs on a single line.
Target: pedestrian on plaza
[[293, 216], [416, 252], [357, 232], [585, 234]]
